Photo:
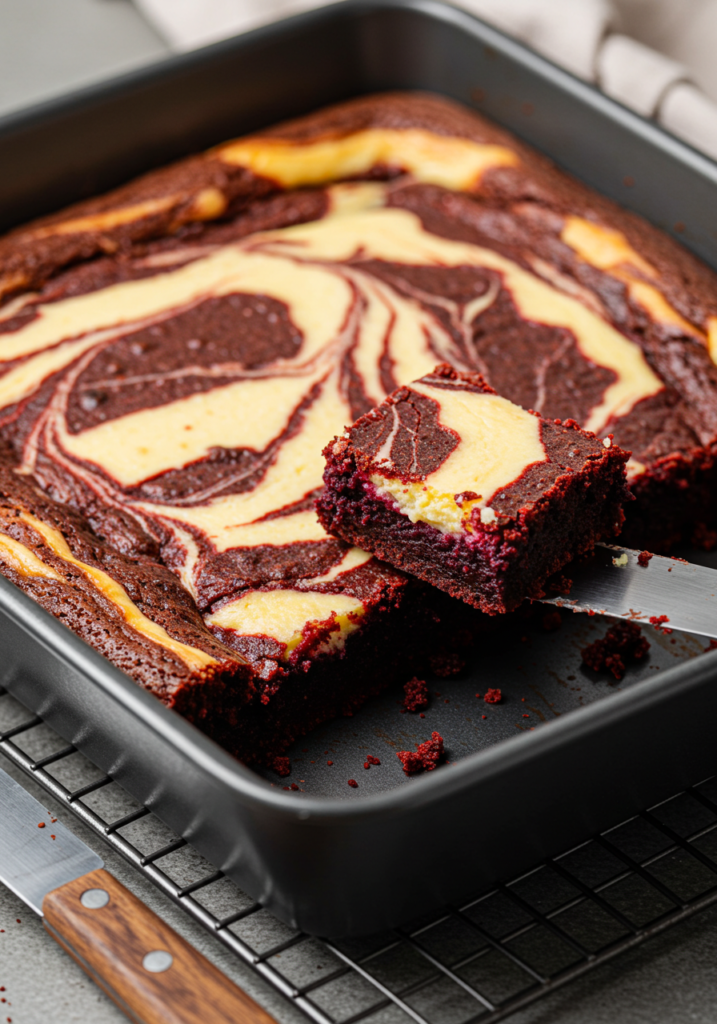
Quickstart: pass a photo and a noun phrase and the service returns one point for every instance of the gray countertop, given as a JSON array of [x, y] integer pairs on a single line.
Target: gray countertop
[[51, 46]]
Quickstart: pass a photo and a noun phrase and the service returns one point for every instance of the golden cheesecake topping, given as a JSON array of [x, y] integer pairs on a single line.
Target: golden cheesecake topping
[[497, 441]]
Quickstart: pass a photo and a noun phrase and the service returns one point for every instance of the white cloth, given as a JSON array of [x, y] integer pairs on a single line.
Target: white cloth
[[687, 112], [655, 56], [636, 75], [568, 32]]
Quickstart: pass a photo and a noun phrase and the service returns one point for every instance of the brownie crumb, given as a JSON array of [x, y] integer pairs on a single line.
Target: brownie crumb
[[643, 558], [552, 621], [622, 643], [494, 696], [280, 765], [353, 783], [658, 621], [416, 691], [446, 664], [426, 757]]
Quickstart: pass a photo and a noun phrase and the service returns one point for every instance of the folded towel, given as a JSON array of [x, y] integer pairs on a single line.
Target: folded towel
[[636, 75]]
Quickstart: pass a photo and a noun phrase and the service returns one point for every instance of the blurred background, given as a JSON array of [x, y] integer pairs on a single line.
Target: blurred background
[[655, 56]]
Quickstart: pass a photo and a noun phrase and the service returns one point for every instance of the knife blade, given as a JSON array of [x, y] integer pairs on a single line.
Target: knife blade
[[151, 973], [613, 582]]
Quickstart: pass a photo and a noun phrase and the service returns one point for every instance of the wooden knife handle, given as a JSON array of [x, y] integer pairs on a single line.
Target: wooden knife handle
[[141, 963]]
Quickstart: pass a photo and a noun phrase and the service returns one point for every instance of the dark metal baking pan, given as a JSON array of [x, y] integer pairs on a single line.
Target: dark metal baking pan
[[335, 860]]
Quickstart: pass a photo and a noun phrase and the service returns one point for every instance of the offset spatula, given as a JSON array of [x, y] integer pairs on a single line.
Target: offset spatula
[[141, 963], [612, 582]]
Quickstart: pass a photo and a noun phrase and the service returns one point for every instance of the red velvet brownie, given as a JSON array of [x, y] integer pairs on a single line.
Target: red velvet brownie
[[465, 490], [131, 609], [174, 356]]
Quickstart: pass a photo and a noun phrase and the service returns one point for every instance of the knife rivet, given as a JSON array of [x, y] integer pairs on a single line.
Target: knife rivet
[[157, 961], [95, 899]]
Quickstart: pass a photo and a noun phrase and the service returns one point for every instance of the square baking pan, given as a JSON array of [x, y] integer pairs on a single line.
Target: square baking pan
[[565, 754]]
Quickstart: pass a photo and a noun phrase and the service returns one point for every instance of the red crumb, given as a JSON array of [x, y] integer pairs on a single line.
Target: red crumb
[[280, 765], [370, 759], [421, 715], [416, 698], [329, 763], [643, 558], [658, 621], [526, 716], [447, 663], [353, 783], [484, 716], [561, 585], [41, 824], [494, 696], [293, 786], [552, 621], [53, 837], [712, 646], [622, 643], [426, 757]]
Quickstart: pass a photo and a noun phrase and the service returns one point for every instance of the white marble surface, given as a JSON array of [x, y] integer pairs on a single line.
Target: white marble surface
[[49, 46]]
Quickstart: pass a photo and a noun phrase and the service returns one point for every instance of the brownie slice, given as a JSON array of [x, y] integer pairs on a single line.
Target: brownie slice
[[466, 490]]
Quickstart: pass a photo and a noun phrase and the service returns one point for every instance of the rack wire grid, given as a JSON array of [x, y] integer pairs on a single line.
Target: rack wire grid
[[481, 960]]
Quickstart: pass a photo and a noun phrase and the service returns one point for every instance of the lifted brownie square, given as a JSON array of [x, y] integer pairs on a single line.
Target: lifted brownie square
[[451, 482]]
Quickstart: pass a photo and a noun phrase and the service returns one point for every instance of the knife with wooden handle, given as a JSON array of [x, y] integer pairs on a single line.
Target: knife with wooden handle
[[151, 973]]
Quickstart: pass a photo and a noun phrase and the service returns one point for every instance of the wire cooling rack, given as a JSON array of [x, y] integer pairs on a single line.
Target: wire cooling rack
[[481, 960]]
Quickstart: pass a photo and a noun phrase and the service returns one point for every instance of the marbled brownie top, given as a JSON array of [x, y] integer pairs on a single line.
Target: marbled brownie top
[[176, 379]]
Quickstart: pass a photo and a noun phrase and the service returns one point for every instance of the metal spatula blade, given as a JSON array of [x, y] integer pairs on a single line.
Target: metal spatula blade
[[612, 582]]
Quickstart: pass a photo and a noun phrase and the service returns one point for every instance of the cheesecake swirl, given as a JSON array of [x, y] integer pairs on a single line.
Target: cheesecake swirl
[[185, 394]]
